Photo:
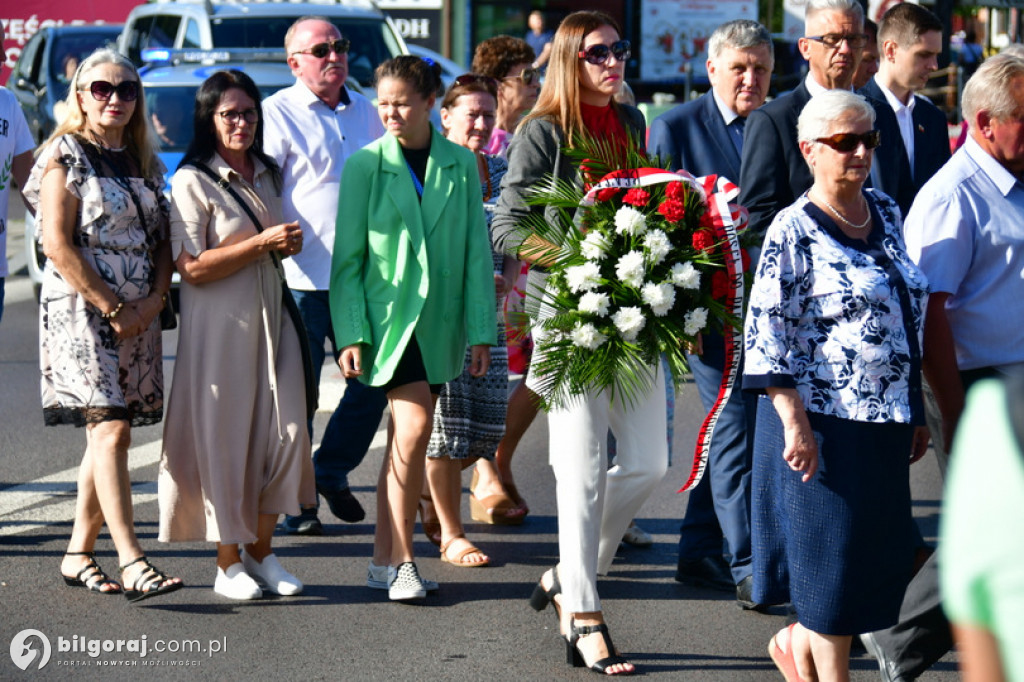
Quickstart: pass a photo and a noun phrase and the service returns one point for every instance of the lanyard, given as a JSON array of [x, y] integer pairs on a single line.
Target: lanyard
[[415, 181]]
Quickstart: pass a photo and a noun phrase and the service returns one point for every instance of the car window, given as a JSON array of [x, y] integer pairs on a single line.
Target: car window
[[372, 39], [192, 37], [27, 62], [165, 30], [170, 113], [68, 51]]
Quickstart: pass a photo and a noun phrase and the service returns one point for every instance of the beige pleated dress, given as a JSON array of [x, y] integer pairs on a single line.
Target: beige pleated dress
[[235, 439]]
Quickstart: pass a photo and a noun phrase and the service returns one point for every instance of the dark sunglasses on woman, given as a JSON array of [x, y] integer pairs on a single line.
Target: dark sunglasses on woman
[[320, 50], [528, 77], [598, 54], [471, 78], [127, 91], [848, 142]]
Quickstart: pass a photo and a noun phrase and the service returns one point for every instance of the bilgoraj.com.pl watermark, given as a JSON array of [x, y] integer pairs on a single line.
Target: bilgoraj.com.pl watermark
[[33, 649]]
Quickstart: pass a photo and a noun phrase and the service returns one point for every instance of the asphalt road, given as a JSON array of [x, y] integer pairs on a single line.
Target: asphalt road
[[479, 627]]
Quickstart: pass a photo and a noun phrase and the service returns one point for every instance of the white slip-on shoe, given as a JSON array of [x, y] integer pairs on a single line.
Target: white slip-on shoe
[[404, 583], [377, 579], [235, 583], [272, 575]]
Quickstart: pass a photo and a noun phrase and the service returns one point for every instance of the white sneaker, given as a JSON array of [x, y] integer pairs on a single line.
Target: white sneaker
[[637, 536], [377, 579], [235, 583], [404, 583], [272, 575]]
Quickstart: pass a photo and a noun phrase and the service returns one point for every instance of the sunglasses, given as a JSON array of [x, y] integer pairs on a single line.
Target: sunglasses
[[473, 78], [832, 40], [528, 77], [598, 54], [848, 142], [321, 50], [127, 91], [232, 117]]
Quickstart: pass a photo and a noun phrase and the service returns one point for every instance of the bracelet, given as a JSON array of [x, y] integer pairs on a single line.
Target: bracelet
[[113, 313]]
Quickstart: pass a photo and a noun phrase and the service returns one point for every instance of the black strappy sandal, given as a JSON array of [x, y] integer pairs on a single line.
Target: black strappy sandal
[[92, 576], [542, 596], [149, 582], [575, 658]]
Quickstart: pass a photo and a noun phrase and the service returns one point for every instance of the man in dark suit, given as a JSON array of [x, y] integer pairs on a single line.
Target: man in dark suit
[[705, 137], [773, 172], [915, 138]]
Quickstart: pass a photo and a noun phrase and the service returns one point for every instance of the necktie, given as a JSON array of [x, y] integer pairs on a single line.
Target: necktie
[[736, 132]]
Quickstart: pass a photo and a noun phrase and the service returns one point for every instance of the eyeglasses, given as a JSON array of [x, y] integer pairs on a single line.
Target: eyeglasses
[[127, 91], [832, 40], [528, 76], [598, 54], [848, 142], [320, 50], [473, 78], [232, 117]]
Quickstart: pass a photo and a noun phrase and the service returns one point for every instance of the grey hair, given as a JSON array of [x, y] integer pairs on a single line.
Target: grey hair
[[825, 108], [739, 34], [290, 33], [989, 88], [1015, 50], [852, 6]]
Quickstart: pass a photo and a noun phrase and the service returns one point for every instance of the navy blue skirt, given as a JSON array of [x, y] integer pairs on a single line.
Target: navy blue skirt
[[839, 547]]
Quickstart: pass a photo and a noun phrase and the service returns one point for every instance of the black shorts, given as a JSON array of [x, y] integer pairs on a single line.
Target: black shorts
[[410, 369]]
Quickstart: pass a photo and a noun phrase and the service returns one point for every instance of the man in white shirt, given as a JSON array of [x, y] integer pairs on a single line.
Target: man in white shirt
[[312, 127], [915, 137]]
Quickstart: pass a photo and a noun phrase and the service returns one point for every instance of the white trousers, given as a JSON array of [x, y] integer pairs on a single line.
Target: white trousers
[[595, 504]]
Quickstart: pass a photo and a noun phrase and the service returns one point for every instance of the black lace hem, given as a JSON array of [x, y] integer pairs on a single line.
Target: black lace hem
[[80, 416]]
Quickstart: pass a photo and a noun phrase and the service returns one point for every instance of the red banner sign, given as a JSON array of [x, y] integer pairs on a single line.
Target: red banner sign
[[22, 18]]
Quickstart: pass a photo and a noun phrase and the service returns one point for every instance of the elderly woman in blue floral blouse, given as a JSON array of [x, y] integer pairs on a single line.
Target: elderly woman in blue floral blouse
[[833, 340]]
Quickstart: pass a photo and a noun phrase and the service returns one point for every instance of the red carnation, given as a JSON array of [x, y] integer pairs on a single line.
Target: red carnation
[[720, 285], [676, 191], [607, 193], [703, 240], [672, 210], [636, 197]]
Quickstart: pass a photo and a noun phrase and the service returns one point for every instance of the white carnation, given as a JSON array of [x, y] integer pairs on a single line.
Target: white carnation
[[594, 246], [695, 321], [629, 322], [660, 297], [594, 303], [686, 276], [583, 277], [657, 244], [587, 336], [630, 221], [630, 269]]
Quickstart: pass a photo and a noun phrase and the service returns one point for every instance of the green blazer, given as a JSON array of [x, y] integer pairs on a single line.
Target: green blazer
[[403, 266]]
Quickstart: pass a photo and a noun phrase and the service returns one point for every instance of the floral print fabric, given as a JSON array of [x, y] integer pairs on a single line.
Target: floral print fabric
[[838, 319], [88, 374]]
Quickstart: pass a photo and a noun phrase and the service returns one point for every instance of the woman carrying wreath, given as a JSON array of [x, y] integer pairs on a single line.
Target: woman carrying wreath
[[595, 505]]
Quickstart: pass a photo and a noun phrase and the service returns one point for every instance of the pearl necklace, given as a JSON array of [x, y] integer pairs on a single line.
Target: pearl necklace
[[95, 139], [847, 222]]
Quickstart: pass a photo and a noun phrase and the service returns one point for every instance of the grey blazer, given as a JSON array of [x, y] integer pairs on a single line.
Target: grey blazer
[[535, 151]]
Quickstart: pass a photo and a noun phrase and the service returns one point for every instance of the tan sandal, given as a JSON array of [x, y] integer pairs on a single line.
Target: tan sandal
[[459, 558], [432, 529], [493, 508]]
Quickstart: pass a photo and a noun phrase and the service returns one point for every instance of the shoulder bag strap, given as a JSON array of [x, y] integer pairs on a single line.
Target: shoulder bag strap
[[312, 389]]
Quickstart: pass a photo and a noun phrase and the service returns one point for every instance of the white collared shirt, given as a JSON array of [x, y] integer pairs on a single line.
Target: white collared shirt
[[727, 114], [905, 118], [311, 141]]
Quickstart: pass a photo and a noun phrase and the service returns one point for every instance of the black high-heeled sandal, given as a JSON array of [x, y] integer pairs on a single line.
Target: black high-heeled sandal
[[149, 582], [574, 657], [92, 576], [542, 596]]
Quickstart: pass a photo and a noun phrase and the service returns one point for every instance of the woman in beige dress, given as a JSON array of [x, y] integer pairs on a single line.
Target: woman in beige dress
[[236, 449]]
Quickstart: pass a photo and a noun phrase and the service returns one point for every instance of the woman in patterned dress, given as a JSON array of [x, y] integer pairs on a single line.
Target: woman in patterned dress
[[470, 417], [97, 188], [833, 340]]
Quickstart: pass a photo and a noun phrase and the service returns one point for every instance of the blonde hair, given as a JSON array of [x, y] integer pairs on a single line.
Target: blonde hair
[[138, 136], [559, 98]]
